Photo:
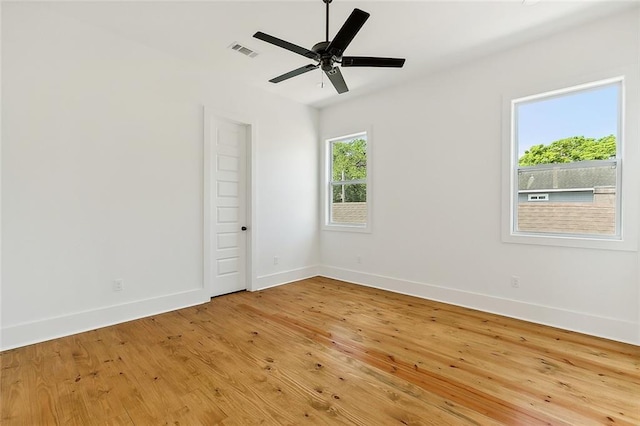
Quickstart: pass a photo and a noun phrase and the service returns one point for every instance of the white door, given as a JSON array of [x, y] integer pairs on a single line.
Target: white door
[[229, 207]]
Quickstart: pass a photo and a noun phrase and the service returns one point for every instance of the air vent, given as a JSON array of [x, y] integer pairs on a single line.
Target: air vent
[[244, 50]]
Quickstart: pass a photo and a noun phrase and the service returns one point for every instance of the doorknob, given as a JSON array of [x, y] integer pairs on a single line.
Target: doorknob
[[244, 228]]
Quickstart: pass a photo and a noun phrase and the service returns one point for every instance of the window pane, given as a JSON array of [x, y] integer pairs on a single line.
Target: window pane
[[349, 159], [567, 156], [349, 203], [349, 193], [583, 200], [577, 126]]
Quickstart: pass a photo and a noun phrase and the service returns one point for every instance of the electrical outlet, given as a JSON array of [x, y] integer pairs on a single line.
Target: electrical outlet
[[118, 285], [276, 260], [358, 259], [515, 281]]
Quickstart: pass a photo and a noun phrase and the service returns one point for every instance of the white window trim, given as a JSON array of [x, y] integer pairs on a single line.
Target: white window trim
[[326, 184], [628, 179]]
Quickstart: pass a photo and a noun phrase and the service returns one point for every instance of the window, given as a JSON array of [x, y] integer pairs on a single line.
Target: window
[[565, 156], [347, 183]]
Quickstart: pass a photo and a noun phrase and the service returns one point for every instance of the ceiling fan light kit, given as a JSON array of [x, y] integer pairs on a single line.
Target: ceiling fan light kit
[[327, 54]]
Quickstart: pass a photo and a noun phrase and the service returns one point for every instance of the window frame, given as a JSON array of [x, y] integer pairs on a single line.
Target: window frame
[[626, 202], [328, 183]]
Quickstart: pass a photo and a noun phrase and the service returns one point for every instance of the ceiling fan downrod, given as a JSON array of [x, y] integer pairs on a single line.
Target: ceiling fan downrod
[[327, 21]]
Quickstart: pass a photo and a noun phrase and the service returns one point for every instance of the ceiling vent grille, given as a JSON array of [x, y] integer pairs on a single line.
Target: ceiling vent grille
[[242, 49]]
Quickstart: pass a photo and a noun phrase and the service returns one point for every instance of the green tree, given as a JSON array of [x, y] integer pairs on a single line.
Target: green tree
[[349, 163], [568, 150]]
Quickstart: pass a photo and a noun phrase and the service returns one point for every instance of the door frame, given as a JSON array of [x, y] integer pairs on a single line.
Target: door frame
[[210, 114]]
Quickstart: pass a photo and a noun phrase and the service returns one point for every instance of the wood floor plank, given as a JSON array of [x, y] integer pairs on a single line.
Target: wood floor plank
[[469, 369], [322, 361], [567, 398], [325, 352]]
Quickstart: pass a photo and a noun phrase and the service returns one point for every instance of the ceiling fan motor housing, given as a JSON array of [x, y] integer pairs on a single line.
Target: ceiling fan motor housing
[[326, 59]]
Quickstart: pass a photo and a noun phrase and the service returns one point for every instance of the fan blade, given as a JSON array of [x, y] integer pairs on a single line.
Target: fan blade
[[293, 73], [286, 45], [352, 25], [367, 61], [335, 76]]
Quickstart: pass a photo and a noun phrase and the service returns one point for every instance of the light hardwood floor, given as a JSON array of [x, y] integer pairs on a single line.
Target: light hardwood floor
[[321, 351]]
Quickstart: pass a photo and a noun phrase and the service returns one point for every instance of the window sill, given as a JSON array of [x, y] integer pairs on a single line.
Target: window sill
[[366, 229], [571, 241]]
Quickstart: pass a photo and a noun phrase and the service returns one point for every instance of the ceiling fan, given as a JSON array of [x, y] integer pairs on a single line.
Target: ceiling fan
[[329, 53]]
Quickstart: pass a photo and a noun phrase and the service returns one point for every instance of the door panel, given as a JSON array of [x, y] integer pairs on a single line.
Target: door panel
[[229, 197]]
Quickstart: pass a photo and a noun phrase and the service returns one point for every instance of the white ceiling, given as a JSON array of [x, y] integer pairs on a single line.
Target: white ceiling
[[429, 34]]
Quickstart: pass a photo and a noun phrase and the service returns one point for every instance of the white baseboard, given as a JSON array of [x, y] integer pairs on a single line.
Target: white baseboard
[[609, 328], [53, 328], [273, 280]]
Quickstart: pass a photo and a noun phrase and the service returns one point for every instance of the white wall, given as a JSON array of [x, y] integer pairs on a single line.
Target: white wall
[[437, 191], [102, 179], [102, 166]]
